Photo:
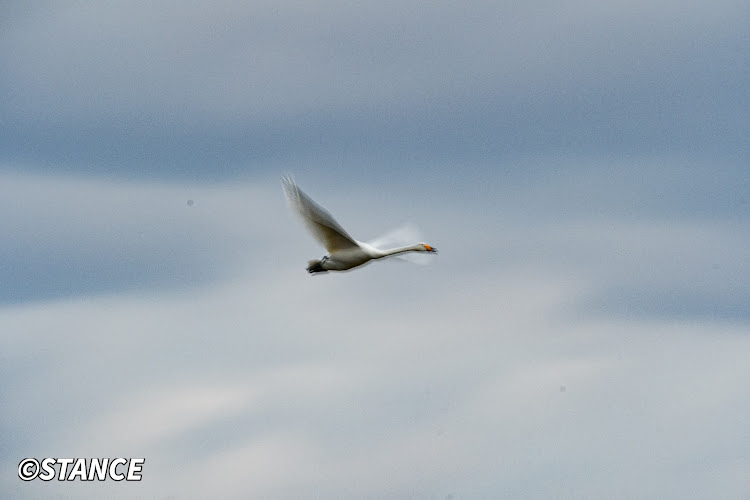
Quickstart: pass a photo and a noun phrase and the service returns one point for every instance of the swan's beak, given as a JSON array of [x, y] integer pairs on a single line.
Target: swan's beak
[[430, 249]]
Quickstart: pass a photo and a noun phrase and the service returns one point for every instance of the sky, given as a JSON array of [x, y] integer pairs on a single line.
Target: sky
[[582, 167]]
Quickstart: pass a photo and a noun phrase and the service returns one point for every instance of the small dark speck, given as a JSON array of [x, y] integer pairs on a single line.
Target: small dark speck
[[563, 388], [190, 203]]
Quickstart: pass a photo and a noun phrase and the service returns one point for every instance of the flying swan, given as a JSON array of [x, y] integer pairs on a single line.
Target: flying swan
[[344, 252]]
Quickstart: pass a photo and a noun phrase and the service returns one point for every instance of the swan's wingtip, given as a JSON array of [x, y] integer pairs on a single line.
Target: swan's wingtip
[[290, 187], [288, 180]]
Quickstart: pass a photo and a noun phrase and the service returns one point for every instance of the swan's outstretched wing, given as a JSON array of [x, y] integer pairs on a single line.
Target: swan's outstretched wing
[[318, 220]]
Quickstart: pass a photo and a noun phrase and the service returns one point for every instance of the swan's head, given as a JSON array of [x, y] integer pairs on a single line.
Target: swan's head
[[428, 248]]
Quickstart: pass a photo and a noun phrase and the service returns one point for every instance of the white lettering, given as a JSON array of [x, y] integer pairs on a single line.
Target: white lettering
[[113, 469]]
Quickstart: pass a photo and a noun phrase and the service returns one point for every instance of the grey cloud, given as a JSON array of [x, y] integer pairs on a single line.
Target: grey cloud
[[181, 89]]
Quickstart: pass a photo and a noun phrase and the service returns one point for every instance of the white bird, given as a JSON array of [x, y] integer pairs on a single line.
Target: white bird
[[344, 252]]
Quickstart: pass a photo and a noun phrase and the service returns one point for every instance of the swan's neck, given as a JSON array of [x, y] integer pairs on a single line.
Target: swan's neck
[[395, 251]]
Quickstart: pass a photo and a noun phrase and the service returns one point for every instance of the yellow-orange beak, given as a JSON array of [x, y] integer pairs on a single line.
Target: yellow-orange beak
[[429, 248]]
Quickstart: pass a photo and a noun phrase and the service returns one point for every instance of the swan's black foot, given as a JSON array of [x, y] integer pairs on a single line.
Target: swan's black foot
[[316, 266]]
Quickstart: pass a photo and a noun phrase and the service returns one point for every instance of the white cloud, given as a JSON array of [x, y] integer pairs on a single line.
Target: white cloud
[[485, 374]]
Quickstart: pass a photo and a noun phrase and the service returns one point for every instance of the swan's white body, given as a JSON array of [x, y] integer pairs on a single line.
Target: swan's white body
[[344, 252]]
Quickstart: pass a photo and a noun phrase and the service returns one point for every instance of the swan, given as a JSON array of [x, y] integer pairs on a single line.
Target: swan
[[344, 252]]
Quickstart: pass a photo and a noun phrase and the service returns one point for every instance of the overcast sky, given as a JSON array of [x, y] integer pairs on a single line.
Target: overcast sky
[[583, 168]]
